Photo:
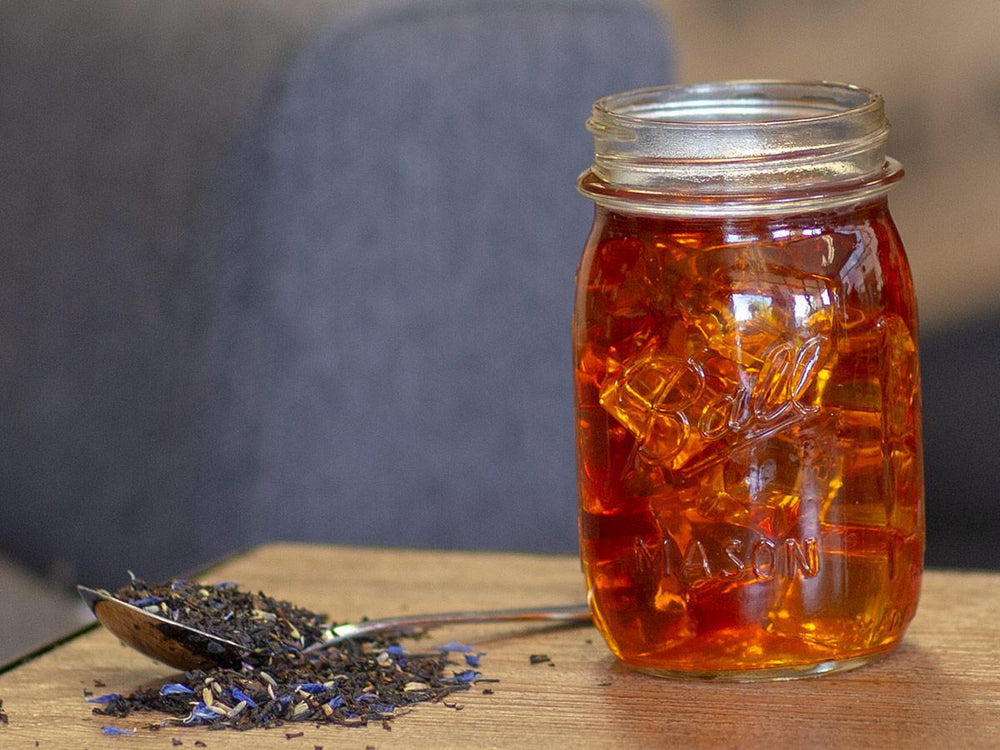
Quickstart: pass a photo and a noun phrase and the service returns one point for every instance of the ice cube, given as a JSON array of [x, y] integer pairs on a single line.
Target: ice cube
[[900, 377], [905, 489], [747, 309], [648, 395], [858, 496], [843, 605]]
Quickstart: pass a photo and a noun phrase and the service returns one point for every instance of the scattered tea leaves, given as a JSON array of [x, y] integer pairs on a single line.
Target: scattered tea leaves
[[351, 684]]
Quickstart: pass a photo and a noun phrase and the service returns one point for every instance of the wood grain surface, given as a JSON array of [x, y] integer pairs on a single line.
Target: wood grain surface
[[941, 689]]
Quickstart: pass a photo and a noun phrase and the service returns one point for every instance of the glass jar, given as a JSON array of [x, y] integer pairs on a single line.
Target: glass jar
[[747, 386]]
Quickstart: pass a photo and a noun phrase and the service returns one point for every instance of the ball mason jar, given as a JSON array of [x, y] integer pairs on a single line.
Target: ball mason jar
[[747, 385]]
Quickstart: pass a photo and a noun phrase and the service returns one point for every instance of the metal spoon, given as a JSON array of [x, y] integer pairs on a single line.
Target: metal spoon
[[185, 647]]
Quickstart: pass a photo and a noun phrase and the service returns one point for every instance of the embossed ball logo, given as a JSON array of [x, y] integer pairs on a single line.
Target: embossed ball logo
[[674, 409]]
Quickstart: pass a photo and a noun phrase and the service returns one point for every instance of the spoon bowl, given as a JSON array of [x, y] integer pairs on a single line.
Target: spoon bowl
[[161, 638], [185, 647]]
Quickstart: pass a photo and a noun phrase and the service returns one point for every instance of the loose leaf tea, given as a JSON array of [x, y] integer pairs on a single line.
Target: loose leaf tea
[[352, 683], [252, 620]]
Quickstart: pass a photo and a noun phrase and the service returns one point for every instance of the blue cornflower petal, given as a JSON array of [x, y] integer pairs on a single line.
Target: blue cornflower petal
[[239, 695], [201, 712], [455, 646], [105, 698], [175, 688], [336, 701], [466, 676], [367, 697], [473, 659], [309, 687], [116, 730], [395, 650]]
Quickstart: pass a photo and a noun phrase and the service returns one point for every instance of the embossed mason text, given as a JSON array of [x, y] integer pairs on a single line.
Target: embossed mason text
[[740, 559]]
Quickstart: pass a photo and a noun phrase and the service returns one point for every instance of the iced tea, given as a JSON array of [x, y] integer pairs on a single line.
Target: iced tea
[[748, 426]]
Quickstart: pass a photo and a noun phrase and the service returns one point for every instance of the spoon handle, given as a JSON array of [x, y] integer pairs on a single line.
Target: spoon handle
[[574, 613]]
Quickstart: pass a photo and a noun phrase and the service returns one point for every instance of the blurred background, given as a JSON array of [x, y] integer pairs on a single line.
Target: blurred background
[[210, 334], [939, 71], [938, 68]]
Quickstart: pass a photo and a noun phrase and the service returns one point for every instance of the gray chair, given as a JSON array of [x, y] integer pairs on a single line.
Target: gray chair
[[294, 270]]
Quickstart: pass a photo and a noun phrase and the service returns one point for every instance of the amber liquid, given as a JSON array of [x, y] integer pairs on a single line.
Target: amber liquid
[[749, 449]]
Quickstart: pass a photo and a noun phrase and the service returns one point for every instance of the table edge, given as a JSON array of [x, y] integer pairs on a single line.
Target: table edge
[[227, 559], [38, 651]]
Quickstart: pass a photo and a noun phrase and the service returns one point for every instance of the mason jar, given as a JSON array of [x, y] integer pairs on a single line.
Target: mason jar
[[747, 384]]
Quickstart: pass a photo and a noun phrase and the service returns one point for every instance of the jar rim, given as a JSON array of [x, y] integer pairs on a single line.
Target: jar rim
[[677, 96], [744, 145]]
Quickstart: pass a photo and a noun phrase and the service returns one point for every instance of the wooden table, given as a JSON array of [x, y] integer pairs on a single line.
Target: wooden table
[[941, 689]]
